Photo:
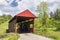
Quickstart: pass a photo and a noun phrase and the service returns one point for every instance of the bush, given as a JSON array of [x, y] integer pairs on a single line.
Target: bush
[[49, 29]]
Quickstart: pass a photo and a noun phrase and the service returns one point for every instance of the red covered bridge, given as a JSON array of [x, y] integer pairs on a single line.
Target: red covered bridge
[[22, 22]]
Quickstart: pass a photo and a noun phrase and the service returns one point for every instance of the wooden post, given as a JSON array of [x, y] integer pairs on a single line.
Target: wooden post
[[33, 26], [15, 26]]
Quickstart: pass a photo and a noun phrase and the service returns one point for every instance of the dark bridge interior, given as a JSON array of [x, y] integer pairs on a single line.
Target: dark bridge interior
[[24, 25], [23, 28]]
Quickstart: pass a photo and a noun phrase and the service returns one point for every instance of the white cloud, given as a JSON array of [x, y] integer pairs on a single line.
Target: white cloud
[[25, 4], [1, 13], [54, 7], [1, 1], [50, 1], [6, 13]]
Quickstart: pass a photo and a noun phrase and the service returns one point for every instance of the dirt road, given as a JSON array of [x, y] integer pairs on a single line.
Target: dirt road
[[30, 36]]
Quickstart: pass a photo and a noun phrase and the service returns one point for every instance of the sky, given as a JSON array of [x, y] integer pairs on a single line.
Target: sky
[[14, 7]]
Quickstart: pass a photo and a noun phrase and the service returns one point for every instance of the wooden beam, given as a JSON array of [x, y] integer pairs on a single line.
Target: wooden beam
[[33, 26], [15, 26]]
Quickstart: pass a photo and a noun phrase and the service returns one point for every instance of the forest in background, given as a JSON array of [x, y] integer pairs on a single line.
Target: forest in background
[[47, 24], [4, 18]]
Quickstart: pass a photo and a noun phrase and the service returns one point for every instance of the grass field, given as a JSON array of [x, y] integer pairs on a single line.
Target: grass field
[[11, 36], [3, 28], [51, 31], [51, 34]]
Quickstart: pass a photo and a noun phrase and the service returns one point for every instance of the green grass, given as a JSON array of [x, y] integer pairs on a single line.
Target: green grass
[[3, 27], [51, 34], [55, 35], [12, 36], [51, 29]]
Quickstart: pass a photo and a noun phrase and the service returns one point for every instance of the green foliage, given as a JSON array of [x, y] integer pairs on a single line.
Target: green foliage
[[4, 23], [47, 26], [51, 15], [57, 25], [48, 30], [3, 27], [42, 7], [4, 18], [11, 37], [42, 10], [55, 15]]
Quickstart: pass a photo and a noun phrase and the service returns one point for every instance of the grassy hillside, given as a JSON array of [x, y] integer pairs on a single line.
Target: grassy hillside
[[4, 19], [3, 27], [4, 23], [52, 29]]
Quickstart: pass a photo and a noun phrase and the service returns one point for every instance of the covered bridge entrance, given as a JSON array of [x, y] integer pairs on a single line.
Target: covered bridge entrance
[[22, 22]]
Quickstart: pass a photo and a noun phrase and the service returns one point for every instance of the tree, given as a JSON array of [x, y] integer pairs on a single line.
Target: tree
[[51, 15], [5, 18], [42, 9], [57, 14]]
